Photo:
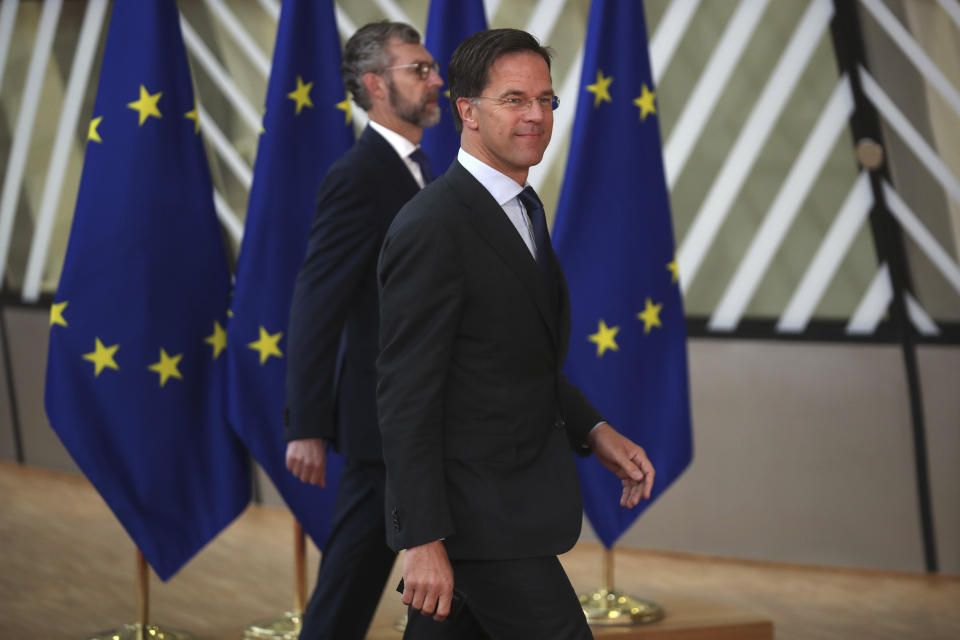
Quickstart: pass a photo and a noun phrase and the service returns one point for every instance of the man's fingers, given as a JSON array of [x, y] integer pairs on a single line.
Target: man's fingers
[[429, 603], [418, 597], [443, 606], [407, 596]]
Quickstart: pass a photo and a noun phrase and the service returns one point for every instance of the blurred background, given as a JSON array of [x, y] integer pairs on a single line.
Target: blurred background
[[812, 151]]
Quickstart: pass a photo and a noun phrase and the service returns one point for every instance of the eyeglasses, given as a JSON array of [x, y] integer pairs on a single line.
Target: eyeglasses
[[423, 68], [520, 104]]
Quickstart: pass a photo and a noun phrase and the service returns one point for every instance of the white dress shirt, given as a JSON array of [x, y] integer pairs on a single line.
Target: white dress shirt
[[403, 147], [505, 191]]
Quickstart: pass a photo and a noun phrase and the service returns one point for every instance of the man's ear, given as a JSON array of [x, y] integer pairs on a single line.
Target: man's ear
[[468, 113], [375, 85]]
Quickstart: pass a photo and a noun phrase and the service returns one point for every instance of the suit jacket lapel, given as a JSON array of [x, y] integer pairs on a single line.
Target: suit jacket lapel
[[394, 170], [488, 218]]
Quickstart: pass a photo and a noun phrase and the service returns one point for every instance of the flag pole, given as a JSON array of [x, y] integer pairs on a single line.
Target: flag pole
[[608, 607], [287, 625], [142, 629]]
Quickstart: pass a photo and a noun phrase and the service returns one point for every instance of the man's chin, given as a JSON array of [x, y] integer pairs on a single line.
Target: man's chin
[[430, 117]]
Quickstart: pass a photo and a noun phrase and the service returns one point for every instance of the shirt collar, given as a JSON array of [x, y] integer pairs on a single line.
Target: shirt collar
[[401, 145], [502, 187]]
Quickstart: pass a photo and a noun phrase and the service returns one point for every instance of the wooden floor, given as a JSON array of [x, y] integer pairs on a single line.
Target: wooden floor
[[67, 570]]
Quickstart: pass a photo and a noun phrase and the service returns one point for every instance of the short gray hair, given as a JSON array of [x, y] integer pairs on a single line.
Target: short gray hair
[[366, 52]]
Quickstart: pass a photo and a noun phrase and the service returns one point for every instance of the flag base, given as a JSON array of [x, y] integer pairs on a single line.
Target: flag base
[[137, 631], [610, 608], [286, 626]]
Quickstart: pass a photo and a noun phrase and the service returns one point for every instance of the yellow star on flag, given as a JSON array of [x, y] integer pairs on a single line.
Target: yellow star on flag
[[447, 93], [56, 313], [267, 345], [194, 115], [650, 315], [674, 269], [167, 367], [600, 89], [102, 357], [146, 106], [92, 133], [301, 95], [645, 102], [217, 339], [346, 107], [605, 338]]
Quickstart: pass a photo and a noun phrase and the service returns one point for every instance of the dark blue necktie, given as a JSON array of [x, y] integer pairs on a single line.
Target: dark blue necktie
[[538, 220], [420, 157]]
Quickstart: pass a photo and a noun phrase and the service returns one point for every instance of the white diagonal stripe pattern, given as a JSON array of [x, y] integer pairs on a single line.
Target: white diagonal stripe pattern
[[709, 87], [952, 7], [17, 162], [740, 160], [76, 87], [919, 317], [902, 38], [670, 30], [544, 18], [219, 76], [227, 217], [239, 34], [922, 236], [873, 305], [827, 260], [8, 16], [223, 147], [910, 135], [782, 212]]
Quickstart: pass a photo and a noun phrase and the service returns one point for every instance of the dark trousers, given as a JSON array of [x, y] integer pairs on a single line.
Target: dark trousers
[[356, 561], [521, 599]]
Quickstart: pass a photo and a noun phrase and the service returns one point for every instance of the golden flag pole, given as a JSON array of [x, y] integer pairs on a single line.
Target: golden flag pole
[[142, 629], [287, 625], [143, 580], [607, 607]]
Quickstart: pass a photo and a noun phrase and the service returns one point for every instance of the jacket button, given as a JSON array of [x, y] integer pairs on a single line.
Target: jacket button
[[560, 424]]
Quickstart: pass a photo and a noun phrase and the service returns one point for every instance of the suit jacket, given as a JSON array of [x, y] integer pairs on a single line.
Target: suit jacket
[[332, 342], [476, 416]]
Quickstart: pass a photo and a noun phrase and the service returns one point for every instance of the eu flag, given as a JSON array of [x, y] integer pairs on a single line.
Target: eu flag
[[614, 239], [448, 24], [306, 127], [136, 370]]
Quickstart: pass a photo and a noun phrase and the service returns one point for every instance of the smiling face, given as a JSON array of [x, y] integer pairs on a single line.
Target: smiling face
[[509, 139]]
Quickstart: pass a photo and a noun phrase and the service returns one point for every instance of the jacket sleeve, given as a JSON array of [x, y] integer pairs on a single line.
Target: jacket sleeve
[[342, 247], [579, 415], [421, 300]]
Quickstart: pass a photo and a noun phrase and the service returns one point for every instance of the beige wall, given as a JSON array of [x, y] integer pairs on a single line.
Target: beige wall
[[803, 452]]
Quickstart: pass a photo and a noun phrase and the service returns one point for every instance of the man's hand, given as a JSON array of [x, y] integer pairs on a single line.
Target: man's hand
[[307, 459], [626, 459], [428, 580]]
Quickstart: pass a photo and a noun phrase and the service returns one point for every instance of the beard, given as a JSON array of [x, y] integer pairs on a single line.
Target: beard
[[416, 113]]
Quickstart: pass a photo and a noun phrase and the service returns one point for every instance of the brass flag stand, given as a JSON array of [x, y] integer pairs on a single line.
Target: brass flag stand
[[143, 630], [287, 625], [607, 607]]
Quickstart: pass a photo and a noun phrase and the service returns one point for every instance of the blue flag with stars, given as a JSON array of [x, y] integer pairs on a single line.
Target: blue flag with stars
[[614, 238], [449, 23], [307, 126], [136, 371]]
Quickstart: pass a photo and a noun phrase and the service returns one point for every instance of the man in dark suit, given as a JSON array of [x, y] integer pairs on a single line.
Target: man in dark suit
[[334, 319], [477, 419]]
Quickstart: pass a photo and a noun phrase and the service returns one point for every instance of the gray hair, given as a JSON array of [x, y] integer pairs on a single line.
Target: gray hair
[[366, 52]]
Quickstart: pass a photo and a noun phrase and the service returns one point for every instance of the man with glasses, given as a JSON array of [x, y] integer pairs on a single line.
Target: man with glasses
[[334, 318], [478, 421]]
